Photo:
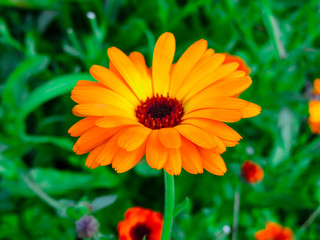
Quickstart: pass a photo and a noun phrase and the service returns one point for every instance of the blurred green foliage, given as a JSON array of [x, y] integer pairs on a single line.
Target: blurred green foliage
[[47, 46]]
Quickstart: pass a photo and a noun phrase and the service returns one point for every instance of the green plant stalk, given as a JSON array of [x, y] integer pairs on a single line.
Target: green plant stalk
[[273, 29], [168, 206], [94, 26], [236, 209], [33, 186], [309, 221]]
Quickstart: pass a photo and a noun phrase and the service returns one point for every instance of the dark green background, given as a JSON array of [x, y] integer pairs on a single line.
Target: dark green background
[[47, 46]]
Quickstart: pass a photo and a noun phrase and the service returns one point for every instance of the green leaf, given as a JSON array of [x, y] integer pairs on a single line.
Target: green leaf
[[54, 181], [181, 206], [13, 88], [8, 168], [64, 143], [31, 4], [51, 89], [102, 202], [5, 36], [288, 126]]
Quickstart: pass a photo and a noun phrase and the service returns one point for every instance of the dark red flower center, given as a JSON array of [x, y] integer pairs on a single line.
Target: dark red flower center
[[160, 112], [140, 231]]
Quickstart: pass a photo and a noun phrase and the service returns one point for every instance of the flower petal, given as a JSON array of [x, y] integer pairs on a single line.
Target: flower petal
[[215, 127], [115, 70], [191, 161], [82, 126], [202, 101], [161, 63], [86, 83], [212, 162], [169, 137], [250, 111], [100, 95], [316, 85], [314, 111], [140, 63], [109, 150], [96, 109], [116, 121], [93, 138], [204, 69], [242, 64], [227, 87], [124, 160], [128, 71], [185, 64], [197, 135], [208, 80], [110, 80], [92, 157], [229, 143], [314, 126], [173, 164], [223, 115], [133, 137], [156, 153], [209, 52]]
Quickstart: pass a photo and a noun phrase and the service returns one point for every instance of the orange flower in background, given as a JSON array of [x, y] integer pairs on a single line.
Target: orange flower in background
[[316, 85], [140, 222], [251, 172], [242, 64], [172, 113], [314, 109], [274, 231]]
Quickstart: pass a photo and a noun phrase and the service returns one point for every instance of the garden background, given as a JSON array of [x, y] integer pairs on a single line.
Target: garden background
[[47, 46]]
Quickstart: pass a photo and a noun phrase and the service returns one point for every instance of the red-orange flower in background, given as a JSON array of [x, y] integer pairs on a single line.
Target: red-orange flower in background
[[251, 172], [274, 231], [172, 113], [314, 109], [242, 64], [140, 222]]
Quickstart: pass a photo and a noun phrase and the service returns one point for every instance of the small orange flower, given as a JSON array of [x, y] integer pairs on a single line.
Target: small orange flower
[[171, 112], [274, 231], [242, 64], [251, 172], [140, 222], [314, 109]]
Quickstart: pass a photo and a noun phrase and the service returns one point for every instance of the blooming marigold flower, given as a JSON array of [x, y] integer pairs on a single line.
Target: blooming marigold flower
[[140, 222], [274, 231], [251, 172], [172, 113], [242, 64], [314, 109]]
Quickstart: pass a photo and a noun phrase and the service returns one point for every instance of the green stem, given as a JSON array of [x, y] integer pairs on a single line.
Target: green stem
[[39, 192], [236, 209], [310, 220], [273, 30], [168, 206]]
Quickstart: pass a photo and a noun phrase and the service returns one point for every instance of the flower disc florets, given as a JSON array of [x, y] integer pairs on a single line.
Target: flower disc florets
[[160, 112], [139, 231]]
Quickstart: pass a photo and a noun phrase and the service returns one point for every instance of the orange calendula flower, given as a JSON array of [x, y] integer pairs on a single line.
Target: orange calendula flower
[[314, 109], [242, 64], [251, 172], [139, 223], [274, 231], [172, 113]]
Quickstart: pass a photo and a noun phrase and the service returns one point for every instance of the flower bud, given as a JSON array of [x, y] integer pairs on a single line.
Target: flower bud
[[87, 226], [251, 172]]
